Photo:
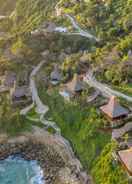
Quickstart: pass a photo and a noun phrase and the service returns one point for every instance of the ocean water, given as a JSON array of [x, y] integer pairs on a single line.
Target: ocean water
[[16, 170]]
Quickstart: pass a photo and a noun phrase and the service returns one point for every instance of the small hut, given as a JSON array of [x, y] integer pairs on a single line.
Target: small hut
[[125, 157], [76, 85], [114, 110], [55, 75], [20, 95], [72, 88]]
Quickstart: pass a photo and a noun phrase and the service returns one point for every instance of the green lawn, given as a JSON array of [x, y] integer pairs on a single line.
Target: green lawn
[[125, 88], [79, 125]]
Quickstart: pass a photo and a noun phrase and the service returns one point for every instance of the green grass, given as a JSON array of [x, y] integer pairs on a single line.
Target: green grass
[[15, 125], [125, 88], [79, 125], [106, 170], [33, 114]]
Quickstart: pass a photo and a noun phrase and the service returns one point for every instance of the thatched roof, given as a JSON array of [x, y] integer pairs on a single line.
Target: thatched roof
[[20, 91], [113, 109], [75, 85], [56, 74], [126, 159]]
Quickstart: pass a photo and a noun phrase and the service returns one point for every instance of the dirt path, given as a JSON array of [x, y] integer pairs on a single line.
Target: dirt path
[[103, 88], [41, 110], [80, 31], [89, 78], [118, 133]]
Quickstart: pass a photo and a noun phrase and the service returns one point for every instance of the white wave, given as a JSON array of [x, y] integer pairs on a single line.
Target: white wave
[[34, 177]]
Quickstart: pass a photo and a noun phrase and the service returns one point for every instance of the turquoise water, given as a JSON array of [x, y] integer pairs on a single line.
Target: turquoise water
[[16, 170]]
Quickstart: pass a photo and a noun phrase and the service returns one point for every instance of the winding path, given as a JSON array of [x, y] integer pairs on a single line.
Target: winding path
[[89, 78], [103, 88], [80, 31], [118, 133], [41, 110]]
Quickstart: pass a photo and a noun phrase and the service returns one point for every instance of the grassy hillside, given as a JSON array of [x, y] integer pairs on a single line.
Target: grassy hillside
[[111, 22], [30, 14], [80, 122]]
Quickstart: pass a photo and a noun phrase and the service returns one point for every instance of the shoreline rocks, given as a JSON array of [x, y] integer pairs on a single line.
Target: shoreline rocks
[[47, 158], [58, 166]]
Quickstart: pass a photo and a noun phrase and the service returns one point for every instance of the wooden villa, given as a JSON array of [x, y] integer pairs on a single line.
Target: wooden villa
[[73, 88], [76, 85], [55, 75], [125, 157], [20, 95], [114, 111]]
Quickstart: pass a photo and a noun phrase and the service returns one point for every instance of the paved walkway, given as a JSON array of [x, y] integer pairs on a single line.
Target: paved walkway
[[41, 110], [103, 88], [80, 31], [118, 133]]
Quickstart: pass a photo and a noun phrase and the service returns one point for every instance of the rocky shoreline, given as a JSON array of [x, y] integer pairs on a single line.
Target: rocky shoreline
[[39, 145], [48, 159]]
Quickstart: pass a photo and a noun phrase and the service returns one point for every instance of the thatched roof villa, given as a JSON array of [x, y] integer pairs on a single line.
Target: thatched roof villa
[[125, 157], [76, 86], [20, 95], [113, 109], [114, 112], [55, 75]]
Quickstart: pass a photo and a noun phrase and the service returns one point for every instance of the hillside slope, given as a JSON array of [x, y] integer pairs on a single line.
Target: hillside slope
[[110, 60]]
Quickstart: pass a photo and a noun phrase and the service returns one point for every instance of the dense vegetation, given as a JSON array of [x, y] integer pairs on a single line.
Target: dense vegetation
[[10, 120], [111, 22], [111, 60], [79, 124], [106, 169]]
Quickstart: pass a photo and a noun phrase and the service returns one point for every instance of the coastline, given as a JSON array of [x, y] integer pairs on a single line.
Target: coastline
[[57, 165]]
